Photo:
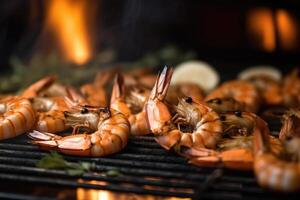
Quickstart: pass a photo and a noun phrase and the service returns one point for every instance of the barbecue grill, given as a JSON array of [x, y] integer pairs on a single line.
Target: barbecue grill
[[145, 169]]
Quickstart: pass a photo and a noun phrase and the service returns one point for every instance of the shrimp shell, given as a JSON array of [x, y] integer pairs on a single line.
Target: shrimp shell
[[239, 90], [110, 135], [17, 117]]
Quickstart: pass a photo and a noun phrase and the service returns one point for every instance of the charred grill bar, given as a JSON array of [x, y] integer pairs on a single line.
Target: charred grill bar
[[145, 169]]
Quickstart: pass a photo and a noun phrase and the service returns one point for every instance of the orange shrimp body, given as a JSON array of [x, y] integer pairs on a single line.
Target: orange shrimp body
[[50, 100], [16, 117], [234, 149], [291, 88], [206, 125], [277, 172], [36, 88], [239, 90], [95, 92], [111, 131], [269, 89], [184, 90], [50, 114], [225, 105], [131, 105]]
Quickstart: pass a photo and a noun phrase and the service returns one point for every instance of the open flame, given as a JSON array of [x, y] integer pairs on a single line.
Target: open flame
[[286, 30], [260, 25], [264, 25], [67, 20]]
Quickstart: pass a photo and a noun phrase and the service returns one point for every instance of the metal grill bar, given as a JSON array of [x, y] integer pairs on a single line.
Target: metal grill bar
[[145, 167]]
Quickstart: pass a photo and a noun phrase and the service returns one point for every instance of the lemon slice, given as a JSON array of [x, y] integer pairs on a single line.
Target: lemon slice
[[196, 72], [261, 70]]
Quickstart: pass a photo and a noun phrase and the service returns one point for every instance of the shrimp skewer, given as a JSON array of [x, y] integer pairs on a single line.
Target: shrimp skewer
[[111, 130], [16, 117], [131, 105], [205, 123]]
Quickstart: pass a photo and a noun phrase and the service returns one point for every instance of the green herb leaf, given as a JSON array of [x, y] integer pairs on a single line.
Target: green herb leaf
[[75, 172], [56, 161], [113, 173], [52, 161]]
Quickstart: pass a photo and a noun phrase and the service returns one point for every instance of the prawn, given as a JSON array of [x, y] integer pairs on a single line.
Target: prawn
[[184, 90], [36, 88], [291, 88], [95, 93], [16, 117], [279, 172], [241, 91], [131, 104], [50, 114], [111, 130], [223, 105], [204, 129], [50, 110], [234, 150], [268, 88]]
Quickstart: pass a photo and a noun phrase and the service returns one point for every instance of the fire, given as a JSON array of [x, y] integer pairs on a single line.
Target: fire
[[67, 20], [286, 30], [260, 24], [264, 25]]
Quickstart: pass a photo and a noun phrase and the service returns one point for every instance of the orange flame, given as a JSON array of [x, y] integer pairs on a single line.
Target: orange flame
[[286, 30], [263, 24], [260, 24], [67, 19]]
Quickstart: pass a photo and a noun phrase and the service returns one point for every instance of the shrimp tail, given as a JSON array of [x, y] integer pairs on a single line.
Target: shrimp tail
[[158, 114], [37, 135], [240, 159], [75, 95], [72, 145], [162, 84], [261, 137], [118, 88], [34, 89]]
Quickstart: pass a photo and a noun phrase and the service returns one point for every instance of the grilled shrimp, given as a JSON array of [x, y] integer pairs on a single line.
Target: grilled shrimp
[[50, 114], [49, 109], [36, 88], [269, 89], [291, 121], [111, 130], [181, 90], [279, 172], [140, 76], [17, 117], [234, 150], [95, 92], [291, 88], [46, 87], [204, 126], [225, 105], [131, 104], [242, 91]]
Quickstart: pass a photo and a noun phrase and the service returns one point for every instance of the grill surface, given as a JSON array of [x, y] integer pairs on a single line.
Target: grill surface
[[146, 168]]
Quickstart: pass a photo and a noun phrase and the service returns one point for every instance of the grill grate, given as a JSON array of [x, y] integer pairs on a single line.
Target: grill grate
[[146, 168]]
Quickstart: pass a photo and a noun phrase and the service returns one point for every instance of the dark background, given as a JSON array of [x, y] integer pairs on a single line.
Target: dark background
[[214, 29]]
